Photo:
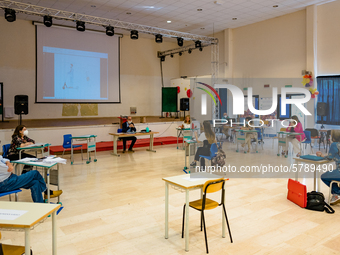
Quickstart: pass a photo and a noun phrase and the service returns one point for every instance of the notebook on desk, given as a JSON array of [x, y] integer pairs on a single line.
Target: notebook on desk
[[312, 157]]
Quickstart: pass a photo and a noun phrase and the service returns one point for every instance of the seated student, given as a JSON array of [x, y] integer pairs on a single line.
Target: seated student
[[249, 136], [208, 138], [128, 126], [31, 180], [328, 177], [20, 139], [295, 140], [186, 123]]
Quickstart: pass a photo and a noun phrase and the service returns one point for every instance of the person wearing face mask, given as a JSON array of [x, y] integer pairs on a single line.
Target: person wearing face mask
[[127, 127], [20, 139]]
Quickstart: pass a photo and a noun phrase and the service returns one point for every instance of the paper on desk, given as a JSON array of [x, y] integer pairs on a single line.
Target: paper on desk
[[53, 159], [35, 145], [11, 214]]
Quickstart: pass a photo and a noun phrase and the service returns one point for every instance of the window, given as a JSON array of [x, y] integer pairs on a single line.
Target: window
[[329, 92]]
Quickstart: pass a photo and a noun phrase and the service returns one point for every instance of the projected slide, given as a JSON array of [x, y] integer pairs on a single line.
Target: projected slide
[[77, 74], [77, 67]]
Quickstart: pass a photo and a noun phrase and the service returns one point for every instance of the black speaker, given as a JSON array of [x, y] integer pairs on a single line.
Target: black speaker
[[21, 104], [184, 104], [322, 109]]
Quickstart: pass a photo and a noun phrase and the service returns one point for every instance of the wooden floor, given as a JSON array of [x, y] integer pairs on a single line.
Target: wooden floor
[[116, 206], [66, 122]]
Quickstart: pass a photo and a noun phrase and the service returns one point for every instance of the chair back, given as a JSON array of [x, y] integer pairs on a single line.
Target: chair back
[[314, 133], [67, 140], [213, 150], [308, 136], [212, 186], [283, 129], [5, 150]]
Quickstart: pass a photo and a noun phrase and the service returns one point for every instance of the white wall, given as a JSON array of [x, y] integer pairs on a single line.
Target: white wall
[[140, 73]]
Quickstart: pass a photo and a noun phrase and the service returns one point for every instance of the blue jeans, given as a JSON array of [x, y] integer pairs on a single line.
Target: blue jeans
[[31, 180], [328, 177]]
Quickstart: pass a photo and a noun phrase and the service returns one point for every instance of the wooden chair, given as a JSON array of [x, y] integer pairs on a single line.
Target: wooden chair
[[6, 249], [205, 203]]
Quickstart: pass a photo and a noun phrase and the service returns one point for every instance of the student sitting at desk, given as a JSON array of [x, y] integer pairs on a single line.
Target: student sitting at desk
[[20, 139], [249, 136], [186, 123], [31, 180], [208, 138], [328, 177], [295, 141], [128, 127]]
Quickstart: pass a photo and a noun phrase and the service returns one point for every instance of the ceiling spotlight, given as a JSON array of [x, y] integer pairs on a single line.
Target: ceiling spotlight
[[47, 21], [110, 31], [234, 18], [159, 38], [198, 44], [169, 21], [162, 58], [10, 15], [128, 13], [80, 26], [180, 53], [200, 48], [189, 51], [180, 41], [172, 55], [134, 34], [199, 10], [275, 6]]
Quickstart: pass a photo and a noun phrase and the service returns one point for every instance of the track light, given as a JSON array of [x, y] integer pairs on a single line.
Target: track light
[[159, 38], [134, 34], [80, 26], [47, 21], [198, 44], [162, 58], [180, 53], [180, 41], [189, 51], [172, 55], [110, 31], [201, 49], [10, 15]]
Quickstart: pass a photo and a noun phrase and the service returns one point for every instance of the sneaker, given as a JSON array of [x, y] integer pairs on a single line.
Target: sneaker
[[124, 151], [131, 151], [335, 199], [193, 163], [55, 193]]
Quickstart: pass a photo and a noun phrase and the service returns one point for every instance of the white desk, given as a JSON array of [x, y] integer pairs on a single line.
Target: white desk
[[283, 139], [36, 212], [91, 146], [189, 142], [181, 182], [36, 148], [47, 167]]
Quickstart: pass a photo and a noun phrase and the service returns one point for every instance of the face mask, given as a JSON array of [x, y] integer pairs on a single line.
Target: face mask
[[130, 121], [26, 132]]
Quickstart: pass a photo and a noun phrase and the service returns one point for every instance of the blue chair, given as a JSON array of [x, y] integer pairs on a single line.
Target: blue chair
[[11, 192], [308, 140], [213, 152], [67, 144], [5, 150]]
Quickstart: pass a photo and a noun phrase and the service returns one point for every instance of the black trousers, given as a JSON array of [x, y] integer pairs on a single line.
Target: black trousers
[[12, 157], [132, 139], [205, 151]]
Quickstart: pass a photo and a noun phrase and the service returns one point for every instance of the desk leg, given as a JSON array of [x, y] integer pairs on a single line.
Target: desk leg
[[27, 241], [223, 218], [177, 139], [48, 185], [151, 144], [71, 151], [316, 179], [187, 208], [115, 139], [58, 181], [54, 233], [166, 210]]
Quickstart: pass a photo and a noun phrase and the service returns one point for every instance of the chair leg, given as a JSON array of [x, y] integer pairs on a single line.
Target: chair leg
[[63, 152], [226, 219], [82, 158], [10, 198], [16, 197], [205, 233], [183, 220], [201, 220]]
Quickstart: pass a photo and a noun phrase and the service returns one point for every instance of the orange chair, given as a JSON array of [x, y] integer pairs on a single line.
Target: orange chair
[[208, 204]]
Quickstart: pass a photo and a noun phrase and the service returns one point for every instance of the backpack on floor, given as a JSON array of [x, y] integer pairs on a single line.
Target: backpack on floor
[[219, 159], [316, 202]]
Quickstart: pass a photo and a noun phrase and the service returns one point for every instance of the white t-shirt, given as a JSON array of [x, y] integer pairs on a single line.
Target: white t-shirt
[[3, 169], [186, 125]]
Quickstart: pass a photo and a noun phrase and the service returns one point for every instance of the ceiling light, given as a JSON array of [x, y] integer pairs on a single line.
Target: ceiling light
[[189, 51], [180, 53], [134, 34], [158, 38], [202, 28], [275, 6], [93, 6], [199, 10], [47, 21], [80, 26], [200, 48], [128, 13], [234, 19], [180, 41], [218, 2], [198, 44], [110, 31], [169, 21], [10, 15]]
